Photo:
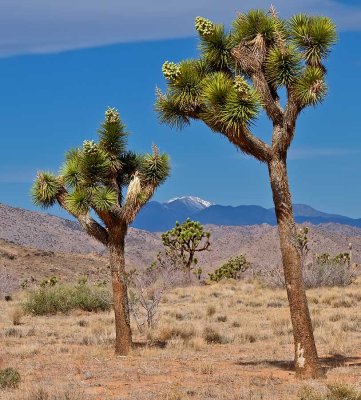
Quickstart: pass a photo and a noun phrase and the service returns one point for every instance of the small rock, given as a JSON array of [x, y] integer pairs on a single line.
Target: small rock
[[88, 375]]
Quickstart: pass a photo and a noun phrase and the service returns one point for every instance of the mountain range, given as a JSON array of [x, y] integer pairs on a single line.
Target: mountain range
[[158, 217], [35, 244]]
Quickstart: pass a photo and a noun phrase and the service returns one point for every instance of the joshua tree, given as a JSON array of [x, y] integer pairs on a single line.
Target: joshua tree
[[93, 179], [238, 74], [186, 240]]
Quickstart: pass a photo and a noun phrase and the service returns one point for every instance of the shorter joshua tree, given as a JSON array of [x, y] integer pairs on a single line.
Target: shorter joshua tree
[[185, 240], [92, 180]]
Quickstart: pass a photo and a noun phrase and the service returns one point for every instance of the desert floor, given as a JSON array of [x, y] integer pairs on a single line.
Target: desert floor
[[74, 352]]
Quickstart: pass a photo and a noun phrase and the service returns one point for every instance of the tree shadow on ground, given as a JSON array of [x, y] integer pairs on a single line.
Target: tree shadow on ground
[[333, 361]]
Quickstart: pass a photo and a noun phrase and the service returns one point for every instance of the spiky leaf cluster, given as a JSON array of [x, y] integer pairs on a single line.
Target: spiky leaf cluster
[[288, 52], [154, 168], [313, 36], [230, 104], [215, 49], [257, 24], [112, 134], [94, 175], [283, 66], [45, 189], [311, 87]]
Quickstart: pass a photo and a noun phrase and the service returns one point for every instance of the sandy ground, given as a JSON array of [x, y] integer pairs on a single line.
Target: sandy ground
[[174, 361]]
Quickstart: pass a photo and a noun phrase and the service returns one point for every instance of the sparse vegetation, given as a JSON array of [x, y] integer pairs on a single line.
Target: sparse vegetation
[[338, 391], [249, 341], [232, 269], [64, 298], [328, 270], [9, 378]]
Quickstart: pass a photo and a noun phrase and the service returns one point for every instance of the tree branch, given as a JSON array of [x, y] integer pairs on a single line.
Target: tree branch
[[251, 61], [282, 138], [137, 196], [92, 227], [244, 140]]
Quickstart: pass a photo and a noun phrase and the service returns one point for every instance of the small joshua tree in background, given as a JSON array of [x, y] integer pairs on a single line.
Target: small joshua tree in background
[[186, 240], [94, 178], [231, 269]]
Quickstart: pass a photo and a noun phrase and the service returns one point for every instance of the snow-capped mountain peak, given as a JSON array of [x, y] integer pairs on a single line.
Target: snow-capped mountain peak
[[192, 201]]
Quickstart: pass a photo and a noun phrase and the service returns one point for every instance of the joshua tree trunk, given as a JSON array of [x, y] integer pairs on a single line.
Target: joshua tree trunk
[[189, 267], [123, 338], [306, 359]]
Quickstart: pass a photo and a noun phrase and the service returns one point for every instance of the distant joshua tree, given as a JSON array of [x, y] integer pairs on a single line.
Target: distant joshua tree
[[185, 241], [93, 179], [238, 74]]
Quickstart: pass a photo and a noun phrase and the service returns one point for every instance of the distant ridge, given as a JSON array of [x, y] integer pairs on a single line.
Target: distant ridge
[[22, 231], [158, 217]]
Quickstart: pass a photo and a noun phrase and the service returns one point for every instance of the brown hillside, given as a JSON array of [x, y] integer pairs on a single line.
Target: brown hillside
[[37, 245]]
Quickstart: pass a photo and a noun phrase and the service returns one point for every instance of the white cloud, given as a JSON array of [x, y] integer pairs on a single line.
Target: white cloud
[[307, 153], [42, 26]]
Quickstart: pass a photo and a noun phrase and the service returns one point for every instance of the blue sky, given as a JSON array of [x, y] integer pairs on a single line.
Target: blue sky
[[62, 64]]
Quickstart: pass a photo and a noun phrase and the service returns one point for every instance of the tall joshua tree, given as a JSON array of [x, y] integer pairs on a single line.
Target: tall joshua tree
[[93, 178], [238, 74]]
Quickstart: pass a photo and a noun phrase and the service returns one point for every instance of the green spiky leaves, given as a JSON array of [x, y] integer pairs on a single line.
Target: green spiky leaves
[[231, 104], [216, 88], [79, 201], [283, 66], [204, 26], [104, 198], [314, 36], [154, 168], [311, 87], [45, 189], [184, 94], [261, 47], [239, 111], [94, 175], [112, 135], [170, 70], [216, 49], [187, 88], [257, 24]]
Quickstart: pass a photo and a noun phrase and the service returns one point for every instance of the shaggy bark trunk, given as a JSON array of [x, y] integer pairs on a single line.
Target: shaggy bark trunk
[[306, 359], [189, 268], [123, 338]]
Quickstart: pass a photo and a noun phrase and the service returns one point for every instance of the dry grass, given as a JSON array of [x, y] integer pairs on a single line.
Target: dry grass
[[231, 340]]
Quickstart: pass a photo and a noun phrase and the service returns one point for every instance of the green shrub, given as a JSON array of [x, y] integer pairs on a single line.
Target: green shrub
[[42, 394], [337, 391], [211, 336], [231, 269], [64, 298], [9, 378]]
